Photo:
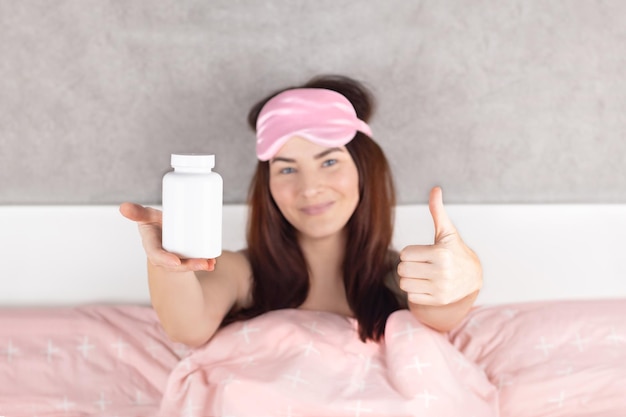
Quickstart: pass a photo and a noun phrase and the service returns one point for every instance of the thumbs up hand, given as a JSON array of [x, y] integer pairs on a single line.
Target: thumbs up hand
[[444, 272]]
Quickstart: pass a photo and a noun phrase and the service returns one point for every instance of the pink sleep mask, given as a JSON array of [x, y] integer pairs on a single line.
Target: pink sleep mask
[[324, 117]]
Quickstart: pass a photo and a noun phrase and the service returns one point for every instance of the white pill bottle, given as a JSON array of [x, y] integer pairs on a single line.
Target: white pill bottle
[[192, 207]]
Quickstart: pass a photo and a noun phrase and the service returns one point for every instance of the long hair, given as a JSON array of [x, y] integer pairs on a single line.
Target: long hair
[[279, 269]]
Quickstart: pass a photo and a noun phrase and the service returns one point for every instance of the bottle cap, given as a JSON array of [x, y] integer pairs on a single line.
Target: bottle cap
[[191, 160]]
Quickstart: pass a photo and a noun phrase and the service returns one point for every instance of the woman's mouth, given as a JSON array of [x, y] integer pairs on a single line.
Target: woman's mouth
[[316, 209]]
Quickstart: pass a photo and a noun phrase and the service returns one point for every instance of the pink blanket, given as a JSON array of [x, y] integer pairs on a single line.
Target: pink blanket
[[302, 363], [549, 359], [89, 361]]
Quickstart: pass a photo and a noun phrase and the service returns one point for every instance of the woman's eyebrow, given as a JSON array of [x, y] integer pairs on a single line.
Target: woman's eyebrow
[[281, 159], [318, 156], [326, 152]]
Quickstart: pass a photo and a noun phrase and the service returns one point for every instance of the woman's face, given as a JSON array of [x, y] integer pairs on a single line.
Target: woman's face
[[316, 188]]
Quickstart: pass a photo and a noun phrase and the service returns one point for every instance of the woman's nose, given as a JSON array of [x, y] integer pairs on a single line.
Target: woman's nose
[[311, 184]]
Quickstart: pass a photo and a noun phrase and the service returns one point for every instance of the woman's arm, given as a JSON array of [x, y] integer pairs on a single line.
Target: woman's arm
[[190, 296], [192, 304]]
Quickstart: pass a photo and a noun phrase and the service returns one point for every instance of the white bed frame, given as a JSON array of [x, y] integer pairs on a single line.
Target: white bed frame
[[71, 255]]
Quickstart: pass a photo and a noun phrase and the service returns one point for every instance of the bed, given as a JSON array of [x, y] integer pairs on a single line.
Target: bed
[[547, 336]]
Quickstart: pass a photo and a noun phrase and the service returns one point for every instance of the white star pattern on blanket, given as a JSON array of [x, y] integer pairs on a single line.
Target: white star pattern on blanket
[[313, 328], [102, 402], [246, 331], [427, 397], [119, 347], [51, 351], [580, 343], [409, 331], [295, 378], [544, 346], [308, 348], [416, 364], [65, 405], [614, 338], [10, 351], [85, 347]]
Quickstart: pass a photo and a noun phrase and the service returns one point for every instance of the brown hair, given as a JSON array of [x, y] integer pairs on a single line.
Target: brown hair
[[280, 277]]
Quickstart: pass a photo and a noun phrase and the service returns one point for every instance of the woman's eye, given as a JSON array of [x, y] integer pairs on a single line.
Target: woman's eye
[[329, 162], [287, 170]]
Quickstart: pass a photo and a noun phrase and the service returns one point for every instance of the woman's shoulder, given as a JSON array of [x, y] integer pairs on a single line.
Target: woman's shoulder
[[235, 266], [241, 252], [236, 259]]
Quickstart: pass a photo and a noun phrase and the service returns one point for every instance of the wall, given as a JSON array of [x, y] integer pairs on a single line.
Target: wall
[[497, 101]]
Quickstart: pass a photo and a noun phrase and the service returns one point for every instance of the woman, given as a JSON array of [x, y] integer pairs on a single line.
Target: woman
[[319, 231]]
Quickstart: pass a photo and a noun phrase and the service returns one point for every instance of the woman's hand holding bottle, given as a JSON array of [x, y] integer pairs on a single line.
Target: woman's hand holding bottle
[[150, 224]]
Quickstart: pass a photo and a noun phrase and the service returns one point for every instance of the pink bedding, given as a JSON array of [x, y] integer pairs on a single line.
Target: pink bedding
[[551, 359], [536, 359], [302, 363], [91, 361]]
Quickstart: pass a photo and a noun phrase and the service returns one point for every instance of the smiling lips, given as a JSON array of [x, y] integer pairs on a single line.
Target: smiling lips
[[316, 208]]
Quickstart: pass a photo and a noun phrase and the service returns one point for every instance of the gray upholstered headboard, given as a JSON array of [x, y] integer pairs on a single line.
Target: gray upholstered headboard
[[520, 101]]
